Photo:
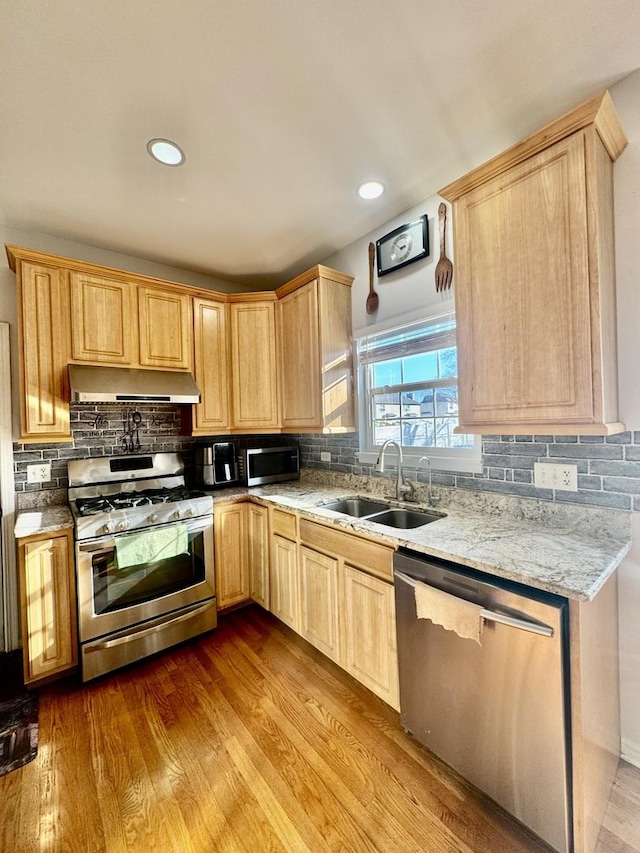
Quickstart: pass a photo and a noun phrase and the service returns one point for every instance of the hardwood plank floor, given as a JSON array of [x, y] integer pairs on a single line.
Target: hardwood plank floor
[[249, 740]]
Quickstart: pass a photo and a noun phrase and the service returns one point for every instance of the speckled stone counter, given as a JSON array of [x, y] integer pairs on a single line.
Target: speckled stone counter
[[45, 519], [567, 550]]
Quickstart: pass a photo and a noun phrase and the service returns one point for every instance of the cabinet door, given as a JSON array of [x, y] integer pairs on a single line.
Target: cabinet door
[[45, 347], [523, 295], [47, 595], [211, 415], [103, 320], [284, 581], [253, 365], [369, 633], [319, 601], [165, 321], [258, 539], [232, 568], [299, 357]]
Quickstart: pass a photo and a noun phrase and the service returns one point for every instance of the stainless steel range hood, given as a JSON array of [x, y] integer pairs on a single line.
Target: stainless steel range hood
[[127, 385]]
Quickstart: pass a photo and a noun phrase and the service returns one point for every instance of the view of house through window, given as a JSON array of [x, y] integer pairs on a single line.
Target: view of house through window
[[409, 380]]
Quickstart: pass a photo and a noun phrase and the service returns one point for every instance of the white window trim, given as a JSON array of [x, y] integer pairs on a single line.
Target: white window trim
[[464, 460]]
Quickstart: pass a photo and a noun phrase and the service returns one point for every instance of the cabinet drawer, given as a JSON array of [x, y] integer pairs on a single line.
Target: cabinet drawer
[[373, 557], [284, 524]]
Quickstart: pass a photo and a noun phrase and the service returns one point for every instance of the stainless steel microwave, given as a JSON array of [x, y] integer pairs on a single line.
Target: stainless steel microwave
[[259, 465]]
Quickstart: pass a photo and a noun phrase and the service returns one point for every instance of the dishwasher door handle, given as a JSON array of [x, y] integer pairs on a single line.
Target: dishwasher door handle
[[521, 624], [491, 615]]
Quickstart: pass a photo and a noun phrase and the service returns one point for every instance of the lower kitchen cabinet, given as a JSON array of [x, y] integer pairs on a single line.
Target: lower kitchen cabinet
[[284, 581], [368, 619], [258, 548], [319, 601], [349, 589], [47, 605], [231, 564], [283, 592]]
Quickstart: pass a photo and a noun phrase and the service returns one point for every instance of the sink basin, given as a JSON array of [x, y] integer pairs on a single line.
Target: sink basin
[[357, 507], [403, 519]]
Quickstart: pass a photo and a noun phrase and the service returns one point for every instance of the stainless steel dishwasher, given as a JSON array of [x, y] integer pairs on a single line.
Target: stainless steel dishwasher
[[497, 710]]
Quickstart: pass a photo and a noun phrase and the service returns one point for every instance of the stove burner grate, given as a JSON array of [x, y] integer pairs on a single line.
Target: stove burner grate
[[127, 500]]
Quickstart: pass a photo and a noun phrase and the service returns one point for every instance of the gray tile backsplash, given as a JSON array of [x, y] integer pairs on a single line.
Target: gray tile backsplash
[[608, 467]]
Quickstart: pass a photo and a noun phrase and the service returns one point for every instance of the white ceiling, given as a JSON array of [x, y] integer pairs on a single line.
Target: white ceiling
[[282, 107]]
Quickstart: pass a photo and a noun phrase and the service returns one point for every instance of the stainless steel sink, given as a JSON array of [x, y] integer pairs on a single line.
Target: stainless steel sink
[[404, 519], [357, 507]]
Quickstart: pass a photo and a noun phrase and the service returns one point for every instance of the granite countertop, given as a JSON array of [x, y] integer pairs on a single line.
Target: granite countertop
[[44, 519], [569, 551]]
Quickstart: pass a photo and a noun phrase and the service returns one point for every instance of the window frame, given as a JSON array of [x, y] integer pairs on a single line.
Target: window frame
[[463, 460]]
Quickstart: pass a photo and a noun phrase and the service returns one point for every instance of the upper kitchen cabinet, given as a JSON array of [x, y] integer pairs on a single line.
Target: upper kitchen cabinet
[[44, 340], [314, 334], [211, 415], [535, 281], [103, 320], [254, 381], [166, 322]]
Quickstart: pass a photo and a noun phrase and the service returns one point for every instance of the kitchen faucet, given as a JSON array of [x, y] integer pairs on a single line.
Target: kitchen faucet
[[401, 487], [431, 496]]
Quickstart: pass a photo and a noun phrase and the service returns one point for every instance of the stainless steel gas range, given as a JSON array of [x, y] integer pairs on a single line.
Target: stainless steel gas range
[[144, 558]]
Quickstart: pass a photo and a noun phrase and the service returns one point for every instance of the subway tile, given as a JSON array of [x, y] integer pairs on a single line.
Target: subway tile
[[626, 485], [619, 438], [587, 481], [602, 499], [624, 468], [585, 451], [515, 449]]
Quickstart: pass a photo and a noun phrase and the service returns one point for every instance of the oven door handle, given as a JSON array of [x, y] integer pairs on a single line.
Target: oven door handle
[[146, 632], [102, 545]]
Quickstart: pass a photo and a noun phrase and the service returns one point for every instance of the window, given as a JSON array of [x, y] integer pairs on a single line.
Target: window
[[409, 393]]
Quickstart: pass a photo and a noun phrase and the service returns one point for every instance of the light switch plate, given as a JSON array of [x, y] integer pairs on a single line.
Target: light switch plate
[[40, 472], [325, 456], [553, 475]]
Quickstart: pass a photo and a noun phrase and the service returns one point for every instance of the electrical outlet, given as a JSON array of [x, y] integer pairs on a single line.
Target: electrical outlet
[[552, 475], [39, 473], [325, 456]]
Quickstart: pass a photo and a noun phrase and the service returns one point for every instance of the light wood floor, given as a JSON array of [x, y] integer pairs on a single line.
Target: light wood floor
[[249, 740]]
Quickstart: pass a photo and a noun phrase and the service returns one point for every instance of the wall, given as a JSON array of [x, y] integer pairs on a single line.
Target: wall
[[609, 469]]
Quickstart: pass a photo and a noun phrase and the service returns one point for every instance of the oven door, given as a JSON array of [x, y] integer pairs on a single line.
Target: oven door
[[112, 596]]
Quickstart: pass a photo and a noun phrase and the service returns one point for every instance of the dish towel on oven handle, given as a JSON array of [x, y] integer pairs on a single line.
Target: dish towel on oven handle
[[454, 614], [151, 546]]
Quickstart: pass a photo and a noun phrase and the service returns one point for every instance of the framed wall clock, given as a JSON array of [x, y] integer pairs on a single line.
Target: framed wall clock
[[403, 246]]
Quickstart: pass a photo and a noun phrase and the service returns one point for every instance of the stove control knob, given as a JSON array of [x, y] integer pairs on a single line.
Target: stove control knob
[[122, 525], [152, 518], [176, 515], [189, 513], [107, 528]]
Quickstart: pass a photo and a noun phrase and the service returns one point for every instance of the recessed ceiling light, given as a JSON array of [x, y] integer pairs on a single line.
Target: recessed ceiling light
[[165, 151], [370, 189]]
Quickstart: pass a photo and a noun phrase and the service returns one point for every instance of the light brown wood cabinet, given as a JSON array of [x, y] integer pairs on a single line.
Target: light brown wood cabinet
[[535, 281], [319, 601], [104, 326], [283, 591], [241, 346], [315, 362], [254, 388], [166, 322], [48, 605], [360, 604], [212, 415], [231, 563], [258, 551], [44, 340], [368, 614]]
